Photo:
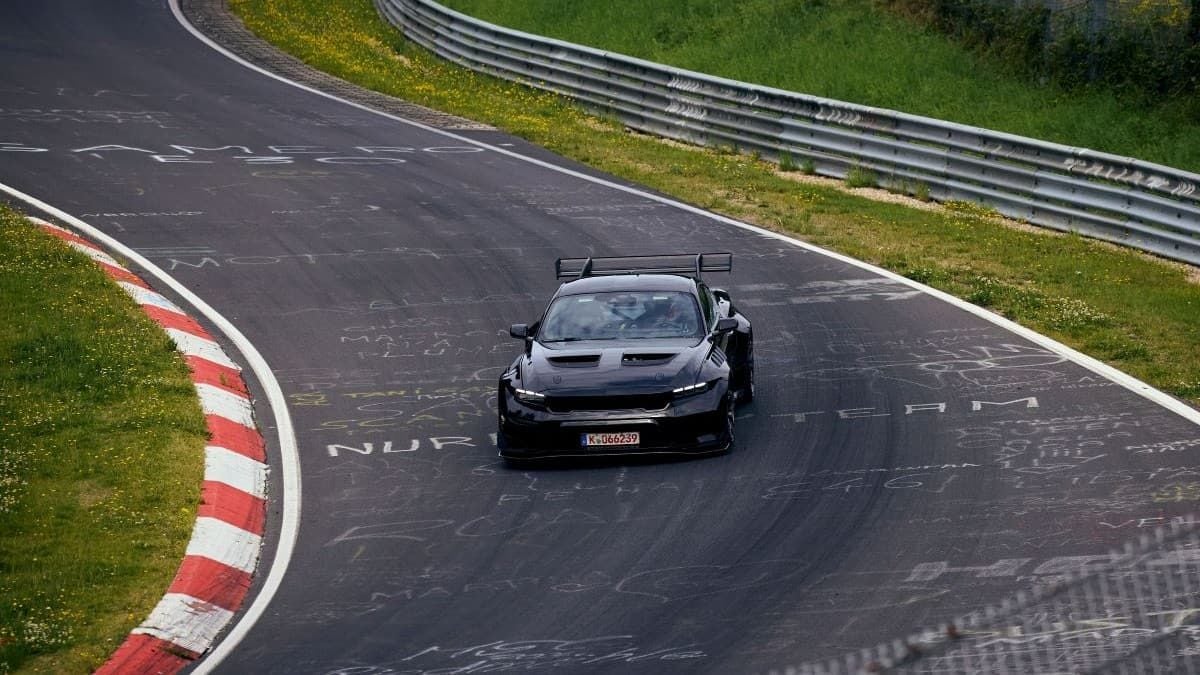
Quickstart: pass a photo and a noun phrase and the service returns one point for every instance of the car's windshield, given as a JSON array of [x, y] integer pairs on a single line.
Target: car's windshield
[[622, 314]]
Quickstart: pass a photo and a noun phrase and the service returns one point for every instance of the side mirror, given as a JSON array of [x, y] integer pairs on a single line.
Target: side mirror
[[726, 324], [723, 296], [519, 330]]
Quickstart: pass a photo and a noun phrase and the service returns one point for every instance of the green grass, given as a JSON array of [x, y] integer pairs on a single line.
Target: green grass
[[857, 176], [1139, 314], [101, 457], [854, 50]]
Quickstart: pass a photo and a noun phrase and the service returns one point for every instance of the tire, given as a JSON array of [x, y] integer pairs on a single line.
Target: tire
[[746, 391]]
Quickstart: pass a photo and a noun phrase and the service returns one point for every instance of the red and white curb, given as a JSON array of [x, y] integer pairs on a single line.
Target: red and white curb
[[214, 576]]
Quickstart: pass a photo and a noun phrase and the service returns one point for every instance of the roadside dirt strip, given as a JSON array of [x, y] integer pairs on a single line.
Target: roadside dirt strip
[[215, 574]]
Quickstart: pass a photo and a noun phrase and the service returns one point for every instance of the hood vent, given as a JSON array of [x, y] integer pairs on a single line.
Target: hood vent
[[574, 360], [640, 359]]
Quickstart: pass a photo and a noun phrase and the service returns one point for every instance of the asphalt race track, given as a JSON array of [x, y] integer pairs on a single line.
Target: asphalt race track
[[904, 462]]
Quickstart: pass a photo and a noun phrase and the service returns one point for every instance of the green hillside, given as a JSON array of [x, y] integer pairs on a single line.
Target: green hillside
[[852, 50]]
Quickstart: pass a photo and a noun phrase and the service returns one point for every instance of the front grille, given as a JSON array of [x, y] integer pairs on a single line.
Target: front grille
[[562, 404]]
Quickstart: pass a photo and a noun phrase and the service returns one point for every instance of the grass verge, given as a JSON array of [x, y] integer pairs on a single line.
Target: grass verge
[[101, 457], [1140, 314]]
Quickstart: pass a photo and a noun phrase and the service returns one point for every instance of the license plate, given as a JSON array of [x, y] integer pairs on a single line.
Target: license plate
[[609, 439]]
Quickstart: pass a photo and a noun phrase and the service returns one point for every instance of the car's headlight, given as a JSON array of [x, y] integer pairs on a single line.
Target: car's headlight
[[693, 389], [527, 396]]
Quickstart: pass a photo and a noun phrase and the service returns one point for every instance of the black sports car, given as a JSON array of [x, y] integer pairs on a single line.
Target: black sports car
[[634, 355]]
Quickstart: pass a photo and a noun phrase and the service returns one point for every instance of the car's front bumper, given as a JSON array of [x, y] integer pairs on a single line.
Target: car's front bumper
[[696, 425]]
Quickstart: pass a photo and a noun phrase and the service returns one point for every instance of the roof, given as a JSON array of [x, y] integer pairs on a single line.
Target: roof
[[628, 282]]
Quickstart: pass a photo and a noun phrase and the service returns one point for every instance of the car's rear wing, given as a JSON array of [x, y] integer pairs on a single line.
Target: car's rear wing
[[678, 263]]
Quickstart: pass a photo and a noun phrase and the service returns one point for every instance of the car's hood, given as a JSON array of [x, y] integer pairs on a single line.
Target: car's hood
[[603, 367]]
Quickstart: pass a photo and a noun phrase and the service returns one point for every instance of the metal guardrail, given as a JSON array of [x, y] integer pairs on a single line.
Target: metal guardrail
[[1118, 199]]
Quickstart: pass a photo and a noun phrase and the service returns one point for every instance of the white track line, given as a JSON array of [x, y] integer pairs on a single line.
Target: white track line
[[272, 584]]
